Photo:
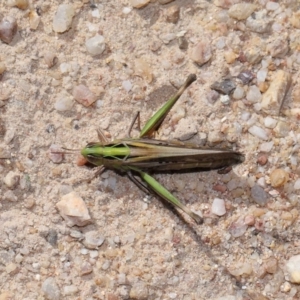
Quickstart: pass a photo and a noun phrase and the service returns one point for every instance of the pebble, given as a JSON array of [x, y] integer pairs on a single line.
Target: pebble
[[63, 103], [266, 147], [262, 159], [83, 95], [278, 48], [272, 5], [93, 239], [282, 129], [139, 3], [269, 122], [8, 29], [239, 93], [258, 132], [253, 94], [273, 98], [127, 85], [218, 207], [51, 289], [86, 268], [259, 195], [139, 291], [70, 290], [260, 23], [95, 45], [73, 209], [262, 75], [224, 87], [278, 178], [297, 184], [271, 265], [62, 20], [56, 154], [238, 228], [172, 14], [21, 4], [293, 269], [241, 11], [246, 76], [185, 129], [34, 20], [201, 53], [11, 179]]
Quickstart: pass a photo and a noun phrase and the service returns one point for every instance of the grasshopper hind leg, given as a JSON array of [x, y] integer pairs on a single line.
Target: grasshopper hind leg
[[139, 184]]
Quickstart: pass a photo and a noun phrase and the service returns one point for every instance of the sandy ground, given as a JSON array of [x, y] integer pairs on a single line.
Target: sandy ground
[[150, 251]]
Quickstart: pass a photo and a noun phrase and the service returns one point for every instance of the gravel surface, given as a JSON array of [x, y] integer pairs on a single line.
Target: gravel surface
[[67, 69]]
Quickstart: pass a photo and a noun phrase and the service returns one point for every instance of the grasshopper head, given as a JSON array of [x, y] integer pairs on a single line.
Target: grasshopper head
[[93, 153]]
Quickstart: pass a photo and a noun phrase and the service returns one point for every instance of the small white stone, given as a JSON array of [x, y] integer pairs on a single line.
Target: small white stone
[[73, 209], [63, 103], [96, 13], [266, 147], [126, 10], [272, 5], [238, 93], [65, 68], [258, 132], [127, 85], [225, 99], [297, 184], [293, 268], [270, 122], [95, 45], [63, 18], [253, 94], [262, 75], [218, 207], [139, 3], [70, 290]]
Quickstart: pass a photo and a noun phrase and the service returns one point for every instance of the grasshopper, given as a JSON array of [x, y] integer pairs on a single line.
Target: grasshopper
[[137, 156]]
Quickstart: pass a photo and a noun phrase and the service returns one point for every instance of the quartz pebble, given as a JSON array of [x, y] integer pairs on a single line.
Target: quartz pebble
[[201, 53], [93, 239], [95, 45], [51, 289], [269, 122], [21, 4], [278, 178], [84, 95], [218, 207], [63, 102], [73, 209], [253, 94], [241, 11], [259, 195], [11, 179], [63, 18], [238, 93], [272, 5], [297, 184], [258, 132], [293, 269], [139, 3], [238, 228], [8, 29]]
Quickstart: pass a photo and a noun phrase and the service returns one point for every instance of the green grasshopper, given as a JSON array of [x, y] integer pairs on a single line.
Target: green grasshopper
[[138, 155]]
